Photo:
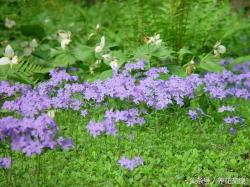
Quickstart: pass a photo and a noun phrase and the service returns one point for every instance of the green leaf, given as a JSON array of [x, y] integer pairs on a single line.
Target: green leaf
[[120, 56], [143, 52], [27, 72], [211, 64], [105, 75], [241, 59], [83, 53], [176, 70], [63, 60], [3, 71], [163, 53], [182, 52]]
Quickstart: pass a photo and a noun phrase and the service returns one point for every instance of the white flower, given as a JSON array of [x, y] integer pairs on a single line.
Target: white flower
[[107, 57], [8, 23], [154, 40], [114, 64], [29, 47], [100, 46], [9, 57], [64, 38], [51, 113], [219, 49]]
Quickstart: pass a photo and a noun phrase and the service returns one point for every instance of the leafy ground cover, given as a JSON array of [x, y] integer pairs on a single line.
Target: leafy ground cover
[[148, 93]]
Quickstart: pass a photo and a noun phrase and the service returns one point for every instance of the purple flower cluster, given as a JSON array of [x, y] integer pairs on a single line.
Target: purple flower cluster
[[29, 135], [34, 130], [106, 125], [11, 90], [242, 68], [5, 162], [130, 117], [233, 120], [65, 143], [59, 91], [130, 164], [227, 84]]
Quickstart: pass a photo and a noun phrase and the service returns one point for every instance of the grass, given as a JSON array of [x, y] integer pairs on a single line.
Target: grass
[[175, 150]]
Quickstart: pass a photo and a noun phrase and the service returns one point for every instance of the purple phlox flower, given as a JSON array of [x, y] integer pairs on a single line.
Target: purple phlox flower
[[193, 114], [65, 143], [5, 162], [226, 108], [233, 120], [84, 112], [130, 117], [232, 130], [74, 69], [107, 126], [130, 164], [155, 72], [29, 135], [242, 68], [95, 129]]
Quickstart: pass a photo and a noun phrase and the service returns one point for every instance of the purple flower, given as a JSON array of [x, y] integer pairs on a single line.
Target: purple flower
[[232, 130], [242, 68], [34, 131], [193, 114], [65, 143], [84, 112], [107, 125], [130, 164], [5, 162], [28, 134], [95, 129], [73, 69], [233, 120]]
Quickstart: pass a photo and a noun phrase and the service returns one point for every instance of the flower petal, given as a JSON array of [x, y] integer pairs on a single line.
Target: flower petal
[[9, 52], [14, 60], [4, 61]]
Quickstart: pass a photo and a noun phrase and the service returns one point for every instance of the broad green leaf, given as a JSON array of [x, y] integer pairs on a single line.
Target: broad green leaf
[[241, 59], [176, 70], [143, 52], [120, 56], [211, 66], [83, 53], [163, 53], [105, 75], [63, 60]]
